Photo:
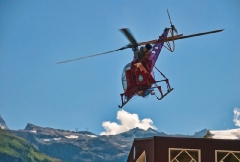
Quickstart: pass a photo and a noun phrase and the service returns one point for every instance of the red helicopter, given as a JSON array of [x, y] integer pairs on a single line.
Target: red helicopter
[[138, 77]]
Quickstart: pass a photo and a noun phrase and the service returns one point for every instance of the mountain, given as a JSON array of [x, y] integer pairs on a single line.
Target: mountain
[[84, 146], [200, 134], [16, 149], [140, 133], [2, 123], [81, 146]]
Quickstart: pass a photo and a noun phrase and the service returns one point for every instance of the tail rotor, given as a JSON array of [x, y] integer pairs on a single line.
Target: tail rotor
[[172, 26]]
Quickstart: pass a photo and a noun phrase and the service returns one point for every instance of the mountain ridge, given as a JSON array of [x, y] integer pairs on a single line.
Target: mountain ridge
[[85, 146], [3, 123], [16, 149]]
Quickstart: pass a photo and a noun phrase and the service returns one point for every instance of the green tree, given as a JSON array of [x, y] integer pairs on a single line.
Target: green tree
[[208, 134]]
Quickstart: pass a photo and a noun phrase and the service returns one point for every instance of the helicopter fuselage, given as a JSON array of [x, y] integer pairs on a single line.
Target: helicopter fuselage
[[138, 78]]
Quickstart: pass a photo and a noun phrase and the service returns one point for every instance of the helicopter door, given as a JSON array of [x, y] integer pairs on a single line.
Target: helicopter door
[[124, 78]]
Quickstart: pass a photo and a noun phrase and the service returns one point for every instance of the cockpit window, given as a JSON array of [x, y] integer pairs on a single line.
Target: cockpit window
[[124, 79]]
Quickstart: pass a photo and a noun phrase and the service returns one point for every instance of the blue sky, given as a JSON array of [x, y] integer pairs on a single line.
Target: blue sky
[[34, 35]]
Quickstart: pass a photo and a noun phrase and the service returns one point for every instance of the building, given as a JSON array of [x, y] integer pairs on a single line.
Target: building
[[177, 149]]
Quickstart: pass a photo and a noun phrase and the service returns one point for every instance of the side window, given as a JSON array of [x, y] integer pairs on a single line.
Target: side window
[[184, 155], [124, 79], [134, 153], [226, 155]]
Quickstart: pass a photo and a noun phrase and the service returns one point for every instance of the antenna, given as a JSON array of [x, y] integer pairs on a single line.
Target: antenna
[[76, 129]]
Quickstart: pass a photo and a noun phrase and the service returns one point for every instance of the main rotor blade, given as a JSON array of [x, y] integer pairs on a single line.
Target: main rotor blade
[[177, 37], [156, 41], [199, 34], [129, 36], [91, 55], [134, 43]]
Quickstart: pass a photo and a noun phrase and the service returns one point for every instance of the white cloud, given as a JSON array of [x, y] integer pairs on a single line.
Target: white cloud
[[226, 134], [127, 121], [236, 117]]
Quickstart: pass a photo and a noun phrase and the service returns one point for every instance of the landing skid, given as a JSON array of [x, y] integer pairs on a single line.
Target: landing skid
[[164, 94], [124, 102]]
